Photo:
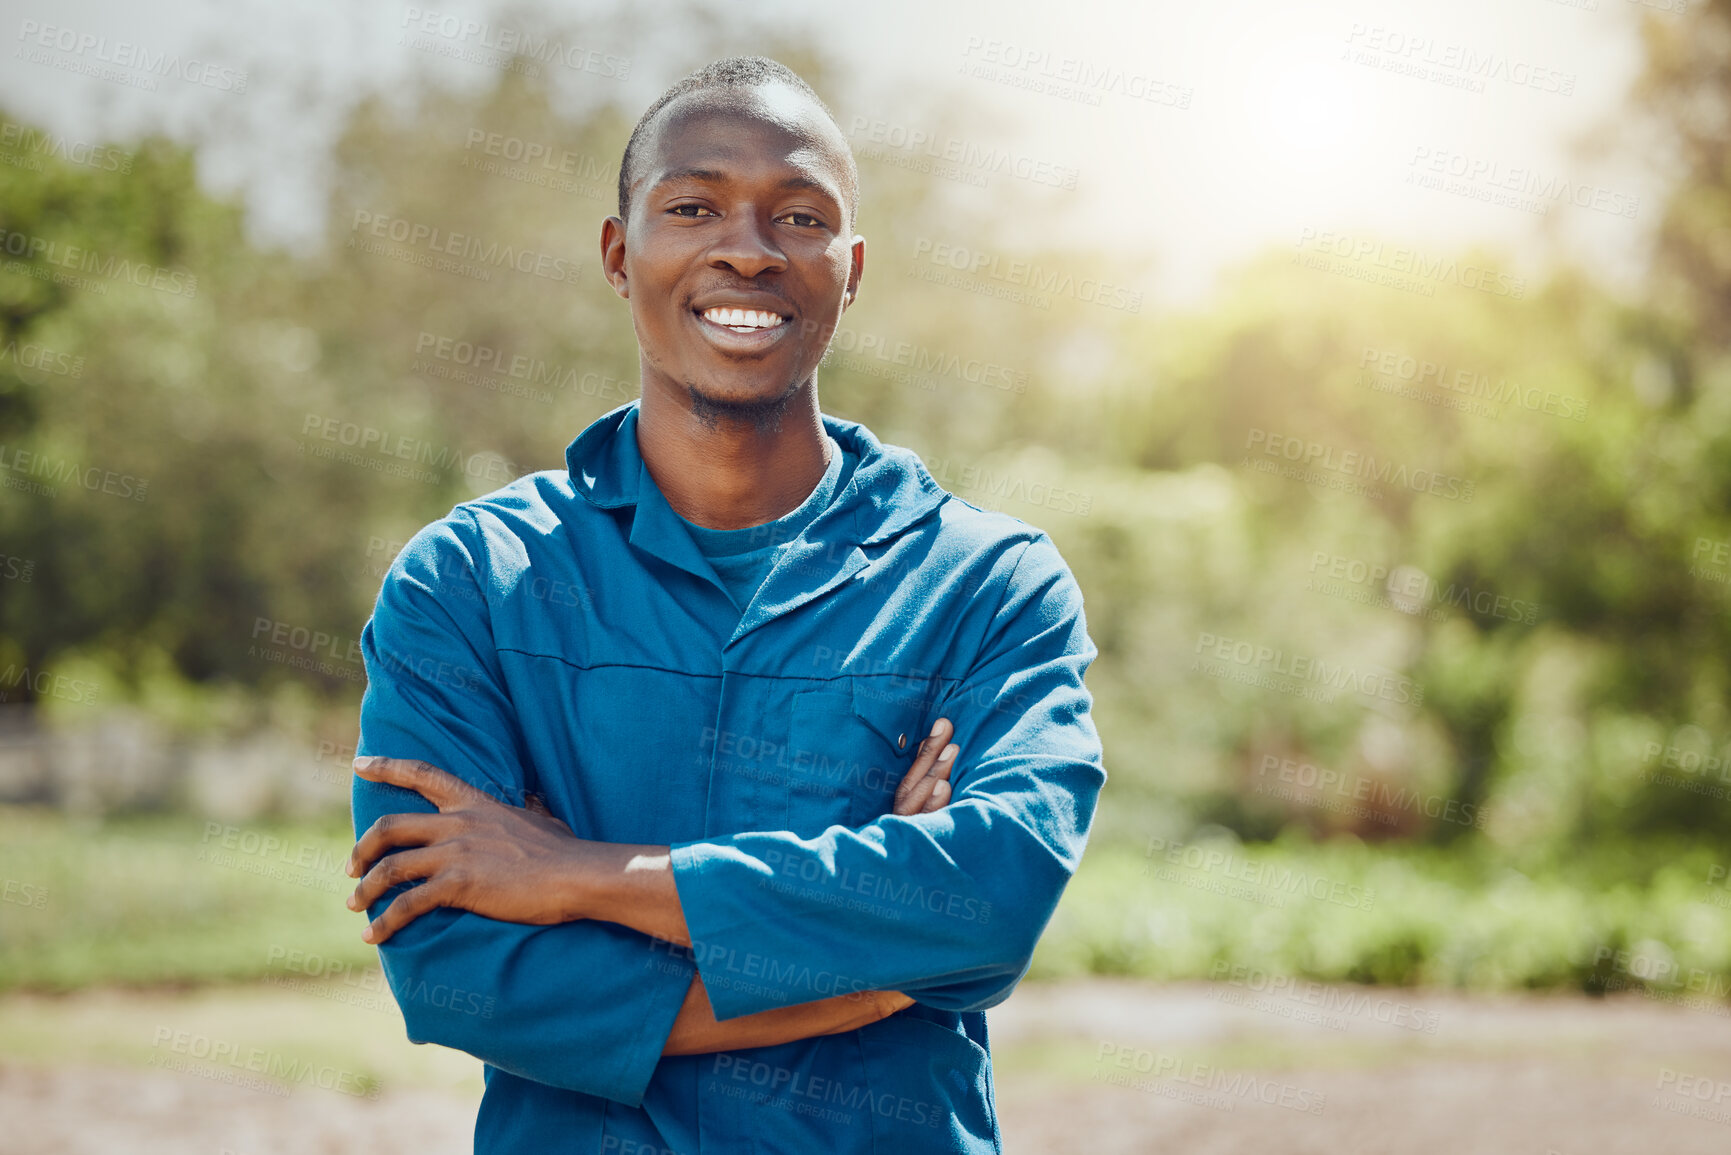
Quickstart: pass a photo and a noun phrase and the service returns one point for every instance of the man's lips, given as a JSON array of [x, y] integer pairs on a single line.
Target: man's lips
[[731, 338]]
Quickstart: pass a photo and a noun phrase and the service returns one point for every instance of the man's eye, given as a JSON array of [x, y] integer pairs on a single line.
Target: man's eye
[[803, 219], [695, 209]]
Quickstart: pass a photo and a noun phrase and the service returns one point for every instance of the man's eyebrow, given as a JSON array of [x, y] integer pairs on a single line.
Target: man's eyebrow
[[714, 176], [706, 175]]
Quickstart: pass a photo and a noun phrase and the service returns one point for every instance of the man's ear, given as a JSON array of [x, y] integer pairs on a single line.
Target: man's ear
[[613, 256], [856, 270]]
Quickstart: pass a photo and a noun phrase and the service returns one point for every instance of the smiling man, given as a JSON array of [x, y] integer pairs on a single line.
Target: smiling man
[[658, 811]]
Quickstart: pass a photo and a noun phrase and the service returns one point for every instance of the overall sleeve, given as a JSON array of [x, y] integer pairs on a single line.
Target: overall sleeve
[[584, 1005], [945, 907]]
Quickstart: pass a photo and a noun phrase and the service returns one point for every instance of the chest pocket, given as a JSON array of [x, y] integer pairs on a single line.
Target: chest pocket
[[848, 749]]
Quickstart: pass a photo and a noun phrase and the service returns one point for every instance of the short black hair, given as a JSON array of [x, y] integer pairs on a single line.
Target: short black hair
[[732, 72]]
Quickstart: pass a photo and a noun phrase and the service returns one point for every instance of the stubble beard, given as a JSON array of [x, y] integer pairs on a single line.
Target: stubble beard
[[763, 414]]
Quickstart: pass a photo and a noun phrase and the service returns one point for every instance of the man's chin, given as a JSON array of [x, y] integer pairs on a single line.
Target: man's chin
[[762, 411]]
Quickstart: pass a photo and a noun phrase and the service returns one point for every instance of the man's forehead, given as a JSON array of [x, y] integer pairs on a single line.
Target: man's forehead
[[737, 132]]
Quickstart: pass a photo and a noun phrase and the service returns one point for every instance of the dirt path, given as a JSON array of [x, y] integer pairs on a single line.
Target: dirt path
[[1097, 1067], [1371, 1072]]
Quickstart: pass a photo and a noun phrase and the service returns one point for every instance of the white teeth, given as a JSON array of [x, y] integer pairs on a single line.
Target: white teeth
[[743, 320]]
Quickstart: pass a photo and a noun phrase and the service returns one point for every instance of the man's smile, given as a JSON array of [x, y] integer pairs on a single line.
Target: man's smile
[[743, 320], [739, 329]]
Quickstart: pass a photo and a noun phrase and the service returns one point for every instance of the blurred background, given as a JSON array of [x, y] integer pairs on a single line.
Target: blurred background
[[1370, 364]]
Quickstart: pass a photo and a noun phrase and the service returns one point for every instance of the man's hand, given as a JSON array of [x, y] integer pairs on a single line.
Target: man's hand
[[506, 862]]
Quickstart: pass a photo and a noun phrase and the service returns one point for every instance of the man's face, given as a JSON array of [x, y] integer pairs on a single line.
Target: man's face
[[737, 258]]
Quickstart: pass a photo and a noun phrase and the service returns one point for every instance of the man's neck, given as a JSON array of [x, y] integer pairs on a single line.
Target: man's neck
[[731, 474]]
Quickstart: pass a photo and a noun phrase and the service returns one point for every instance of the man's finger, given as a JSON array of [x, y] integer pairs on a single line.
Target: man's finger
[[392, 870], [915, 788], [925, 758], [408, 906], [442, 789], [392, 831], [940, 795], [919, 800]]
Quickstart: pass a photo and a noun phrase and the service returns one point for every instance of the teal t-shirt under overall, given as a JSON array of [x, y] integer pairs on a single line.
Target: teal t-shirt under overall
[[742, 558]]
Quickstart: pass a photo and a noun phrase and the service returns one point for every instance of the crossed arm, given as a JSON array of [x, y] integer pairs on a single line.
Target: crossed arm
[[522, 865], [584, 992]]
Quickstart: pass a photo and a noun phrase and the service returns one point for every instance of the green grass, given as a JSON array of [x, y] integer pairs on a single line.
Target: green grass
[[162, 900], [174, 900], [291, 1029]]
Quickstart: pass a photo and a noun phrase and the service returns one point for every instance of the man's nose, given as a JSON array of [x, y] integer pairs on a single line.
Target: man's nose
[[746, 245]]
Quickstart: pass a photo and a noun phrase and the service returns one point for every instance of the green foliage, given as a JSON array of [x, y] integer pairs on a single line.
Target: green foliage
[[1518, 671], [1346, 912]]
